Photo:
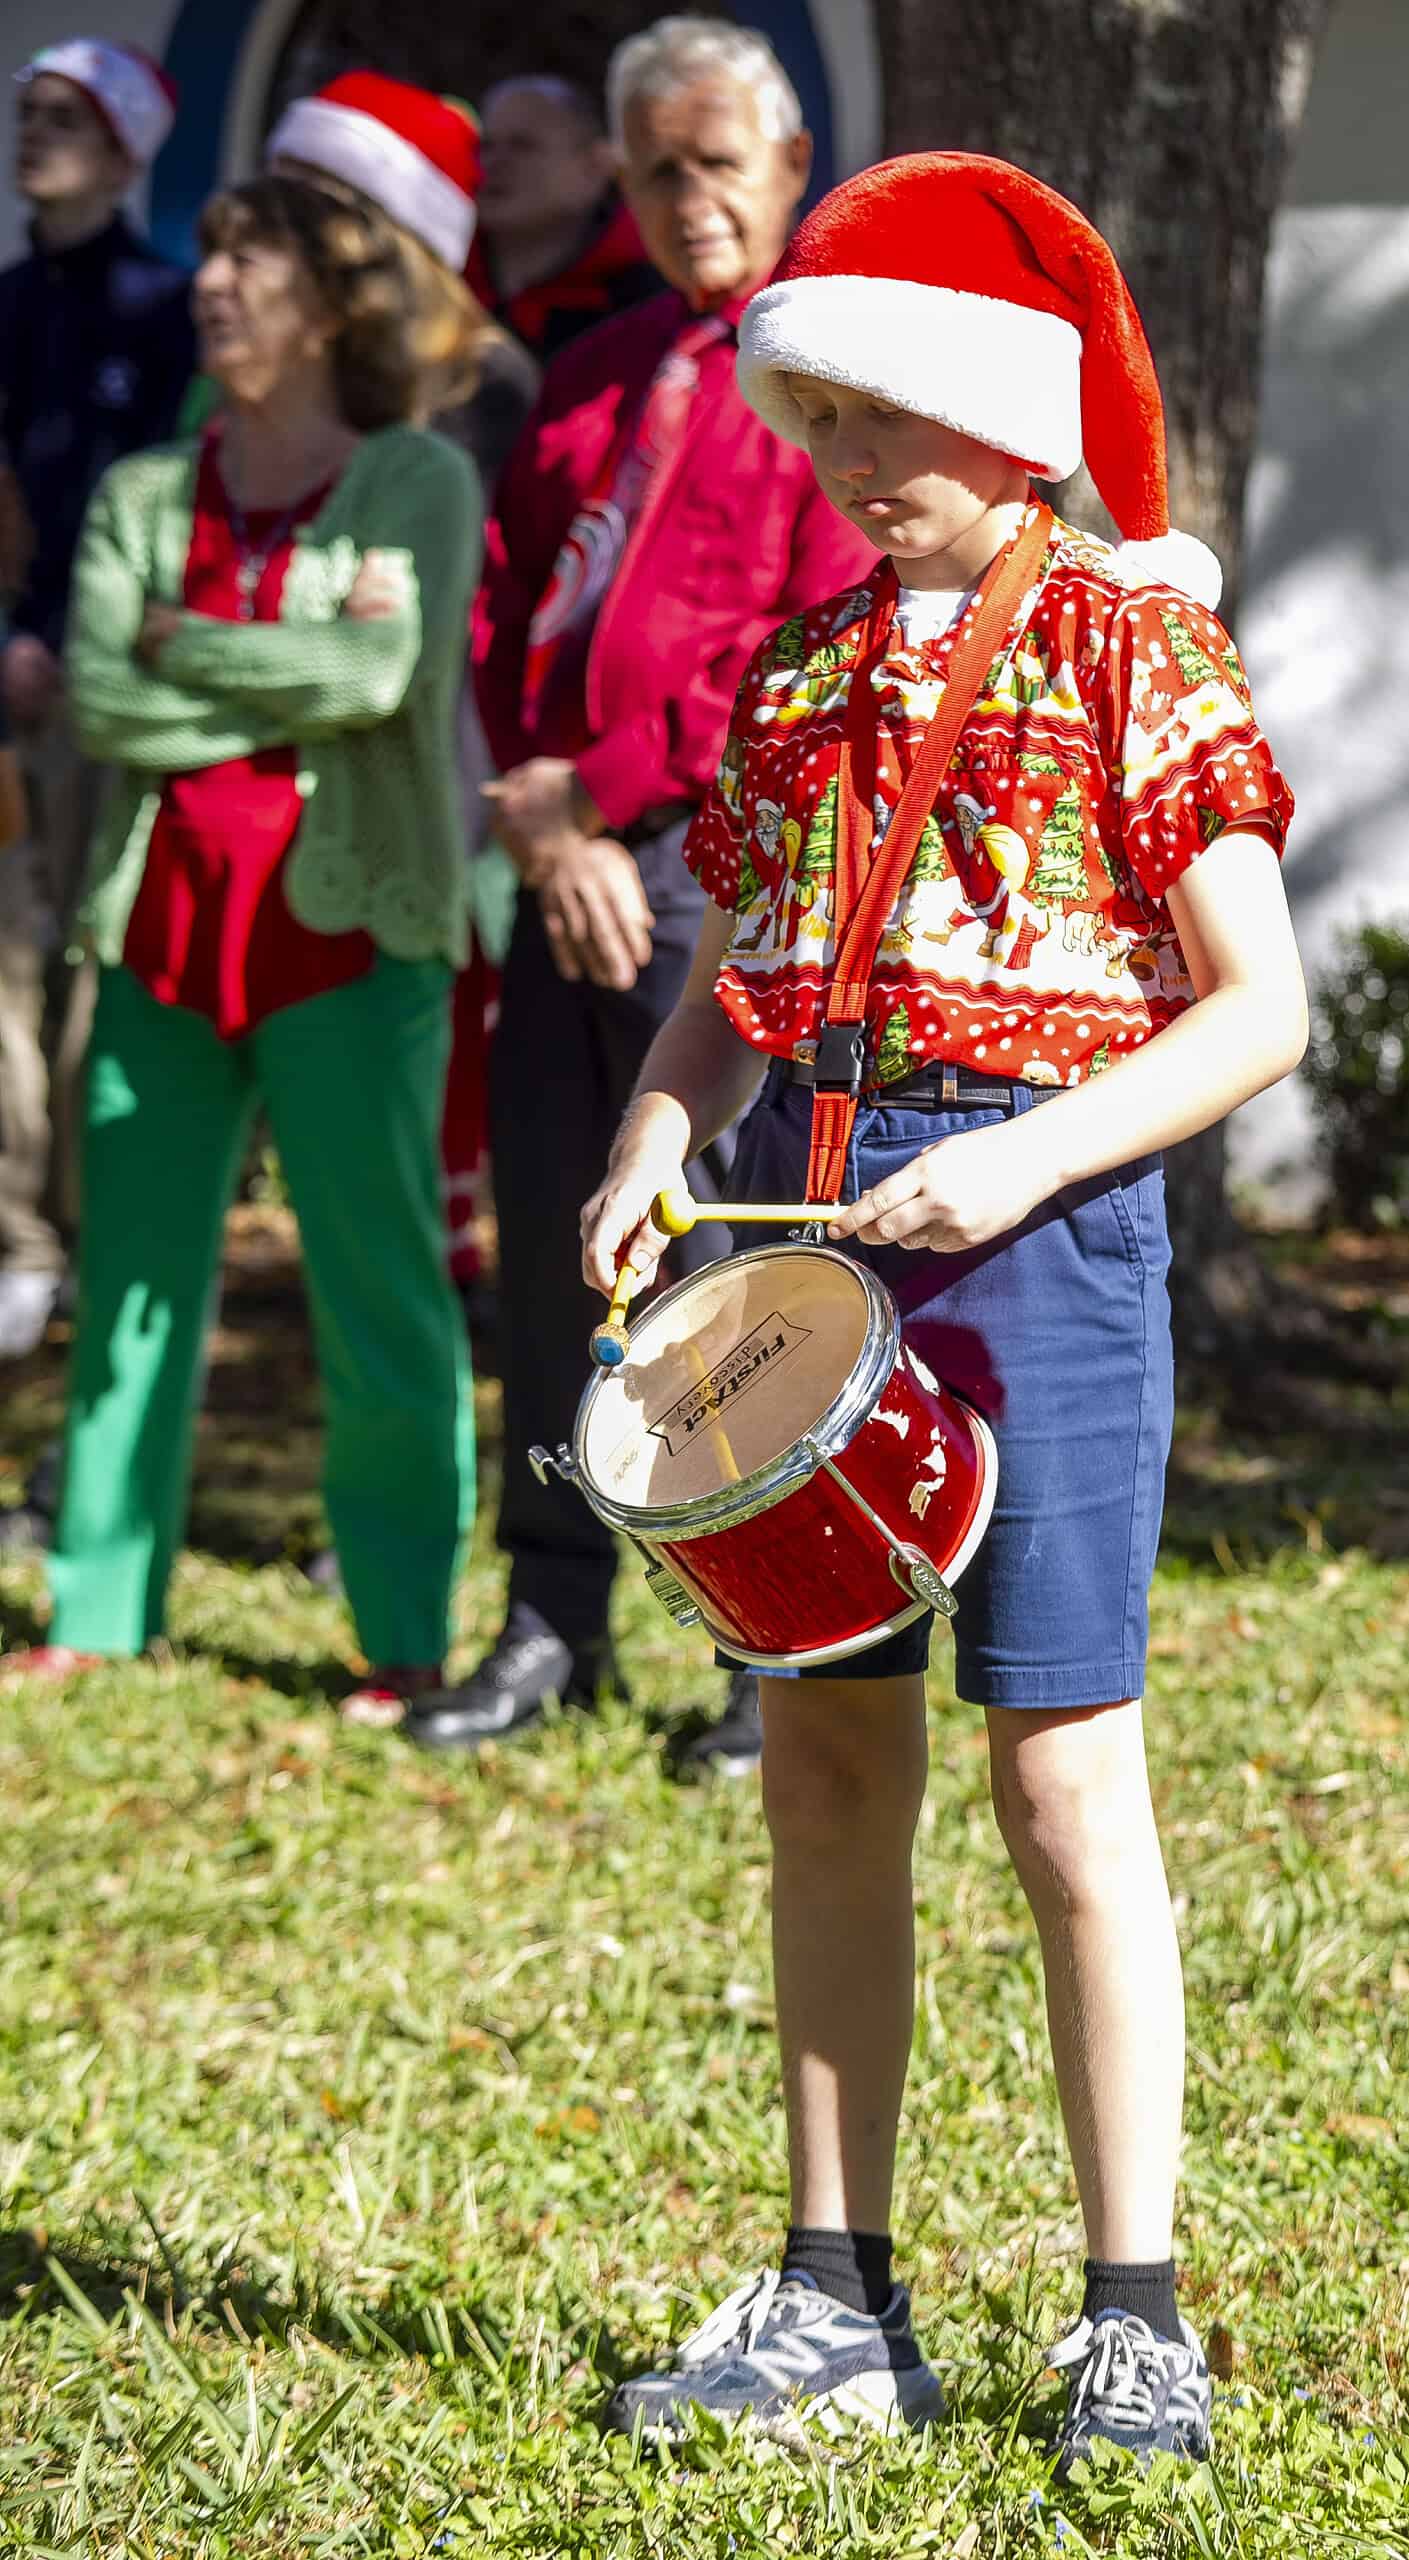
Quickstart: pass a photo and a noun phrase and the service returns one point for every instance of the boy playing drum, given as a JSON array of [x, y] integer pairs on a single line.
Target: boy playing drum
[[1089, 957]]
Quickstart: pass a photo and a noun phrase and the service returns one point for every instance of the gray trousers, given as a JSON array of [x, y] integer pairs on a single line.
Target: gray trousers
[[46, 1003]]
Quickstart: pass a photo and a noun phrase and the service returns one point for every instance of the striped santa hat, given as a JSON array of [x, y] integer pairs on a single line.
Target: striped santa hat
[[962, 289], [414, 154]]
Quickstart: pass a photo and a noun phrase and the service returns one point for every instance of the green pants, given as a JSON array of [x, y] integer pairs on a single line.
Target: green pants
[[353, 1085]]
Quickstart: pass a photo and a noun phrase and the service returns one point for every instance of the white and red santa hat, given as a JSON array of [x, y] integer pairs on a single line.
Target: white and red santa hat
[[132, 94], [415, 155], [964, 290]]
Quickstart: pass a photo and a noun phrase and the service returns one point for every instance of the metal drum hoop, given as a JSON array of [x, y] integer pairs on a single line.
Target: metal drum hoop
[[829, 1435]]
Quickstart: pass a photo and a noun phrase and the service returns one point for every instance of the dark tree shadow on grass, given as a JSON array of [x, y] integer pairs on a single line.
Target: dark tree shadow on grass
[[40, 2274]]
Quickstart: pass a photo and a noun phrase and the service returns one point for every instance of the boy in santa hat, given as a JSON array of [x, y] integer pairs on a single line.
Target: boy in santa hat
[[988, 1095], [96, 351]]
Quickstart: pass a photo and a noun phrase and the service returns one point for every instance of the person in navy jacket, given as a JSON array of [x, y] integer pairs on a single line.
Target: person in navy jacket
[[96, 351]]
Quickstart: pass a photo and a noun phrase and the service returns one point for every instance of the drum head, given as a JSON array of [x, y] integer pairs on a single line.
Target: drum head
[[725, 1376]]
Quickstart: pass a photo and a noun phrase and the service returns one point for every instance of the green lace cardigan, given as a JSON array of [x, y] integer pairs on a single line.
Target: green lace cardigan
[[370, 706]]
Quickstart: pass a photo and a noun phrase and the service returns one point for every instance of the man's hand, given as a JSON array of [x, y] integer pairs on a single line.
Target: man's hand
[[33, 680], [594, 911], [158, 623], [536, 806], [959, 1194], [588, 887]]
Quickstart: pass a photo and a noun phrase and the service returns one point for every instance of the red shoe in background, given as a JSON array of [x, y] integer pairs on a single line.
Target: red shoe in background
[[52, 1662]]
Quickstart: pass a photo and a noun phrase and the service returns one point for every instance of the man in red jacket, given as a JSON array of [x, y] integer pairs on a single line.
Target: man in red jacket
[[649, 532]]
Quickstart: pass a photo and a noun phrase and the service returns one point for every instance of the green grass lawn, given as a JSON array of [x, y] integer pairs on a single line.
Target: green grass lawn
[[362, 2117]]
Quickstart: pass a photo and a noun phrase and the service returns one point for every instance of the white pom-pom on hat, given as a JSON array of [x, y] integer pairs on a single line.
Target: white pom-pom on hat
[[1171, 560]]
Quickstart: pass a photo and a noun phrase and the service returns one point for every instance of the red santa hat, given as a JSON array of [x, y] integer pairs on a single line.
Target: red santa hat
[[415, 155], [133, 95], [964, 290]]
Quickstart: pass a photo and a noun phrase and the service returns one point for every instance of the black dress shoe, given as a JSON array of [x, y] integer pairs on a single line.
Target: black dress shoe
[[30, 1526], [528, 1669], [726, 1746]]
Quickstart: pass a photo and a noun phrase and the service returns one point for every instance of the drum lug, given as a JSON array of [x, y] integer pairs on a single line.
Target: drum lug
[[923, 1580], [672, 1594], [553, 1462]]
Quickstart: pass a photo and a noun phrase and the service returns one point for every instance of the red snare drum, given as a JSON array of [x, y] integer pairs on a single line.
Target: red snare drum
[[797, 1477]]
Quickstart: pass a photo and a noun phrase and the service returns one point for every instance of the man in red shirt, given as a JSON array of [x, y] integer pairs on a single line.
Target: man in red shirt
[[649, 531]]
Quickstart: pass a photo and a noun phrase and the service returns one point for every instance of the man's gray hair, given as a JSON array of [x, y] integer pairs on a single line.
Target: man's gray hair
[[677, 50]]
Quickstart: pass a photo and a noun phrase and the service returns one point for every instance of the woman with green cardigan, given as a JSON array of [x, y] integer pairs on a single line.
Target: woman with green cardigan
[[267, 639]]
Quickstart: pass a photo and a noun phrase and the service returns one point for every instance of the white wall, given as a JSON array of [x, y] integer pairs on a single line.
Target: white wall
[[1325, 623], [25, 25]]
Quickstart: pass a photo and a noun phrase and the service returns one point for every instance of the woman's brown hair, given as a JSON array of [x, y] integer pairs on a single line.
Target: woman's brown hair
[[410, 338]]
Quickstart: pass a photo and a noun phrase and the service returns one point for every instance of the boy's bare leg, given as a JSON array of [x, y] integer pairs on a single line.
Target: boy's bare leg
[[1072, 1797], [844, 1765], [844, 1769]]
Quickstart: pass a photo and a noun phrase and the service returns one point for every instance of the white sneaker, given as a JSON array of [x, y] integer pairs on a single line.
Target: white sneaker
[[783, 2355], [26, 1304], [1131, 2387]]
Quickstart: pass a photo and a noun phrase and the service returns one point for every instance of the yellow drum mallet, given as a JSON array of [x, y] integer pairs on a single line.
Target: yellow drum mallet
[[607, 1342], [675, 1213]]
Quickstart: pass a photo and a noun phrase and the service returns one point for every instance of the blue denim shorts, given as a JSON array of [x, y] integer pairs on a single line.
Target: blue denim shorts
[[1059, 1333]]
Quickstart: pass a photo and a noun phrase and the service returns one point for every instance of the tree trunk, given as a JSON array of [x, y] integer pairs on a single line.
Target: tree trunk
[[450, 47], [1171, 123]]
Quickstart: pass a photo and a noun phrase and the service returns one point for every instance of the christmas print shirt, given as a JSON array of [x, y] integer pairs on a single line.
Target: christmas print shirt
[[1113, 739]]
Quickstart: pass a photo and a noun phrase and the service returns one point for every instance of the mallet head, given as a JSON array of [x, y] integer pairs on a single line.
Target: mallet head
[[674, 1212]]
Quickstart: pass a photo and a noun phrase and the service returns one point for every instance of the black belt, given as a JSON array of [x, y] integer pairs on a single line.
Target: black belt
[[655, 822], [941, 1087]]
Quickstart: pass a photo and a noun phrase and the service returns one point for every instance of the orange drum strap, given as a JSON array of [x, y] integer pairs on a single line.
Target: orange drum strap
[[869, 883]]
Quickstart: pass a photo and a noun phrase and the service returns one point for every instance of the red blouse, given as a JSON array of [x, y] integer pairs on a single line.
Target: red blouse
[[211, 928]]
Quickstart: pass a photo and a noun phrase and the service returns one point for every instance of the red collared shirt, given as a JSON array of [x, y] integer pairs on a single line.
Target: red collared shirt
[[733, 534], [1113, 739]]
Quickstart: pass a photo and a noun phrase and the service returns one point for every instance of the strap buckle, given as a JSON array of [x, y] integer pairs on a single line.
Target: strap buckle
[[840, 1063]]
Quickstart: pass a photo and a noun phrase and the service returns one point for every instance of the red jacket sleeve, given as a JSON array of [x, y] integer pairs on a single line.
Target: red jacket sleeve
[[521, 543], [564, 439]]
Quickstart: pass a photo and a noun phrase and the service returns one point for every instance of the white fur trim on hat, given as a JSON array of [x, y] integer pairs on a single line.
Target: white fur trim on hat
[[125, 90], [382, 165], [1171, 560], [995, 370]]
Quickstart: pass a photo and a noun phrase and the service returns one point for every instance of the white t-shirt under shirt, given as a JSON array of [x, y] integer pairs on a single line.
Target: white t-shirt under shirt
[[925, 613]]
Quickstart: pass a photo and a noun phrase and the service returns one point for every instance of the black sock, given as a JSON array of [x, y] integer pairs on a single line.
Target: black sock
[[1147, 2291], [852, 2266]]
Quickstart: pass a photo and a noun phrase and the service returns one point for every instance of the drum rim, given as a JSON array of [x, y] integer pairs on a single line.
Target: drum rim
[[734, 1504]]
